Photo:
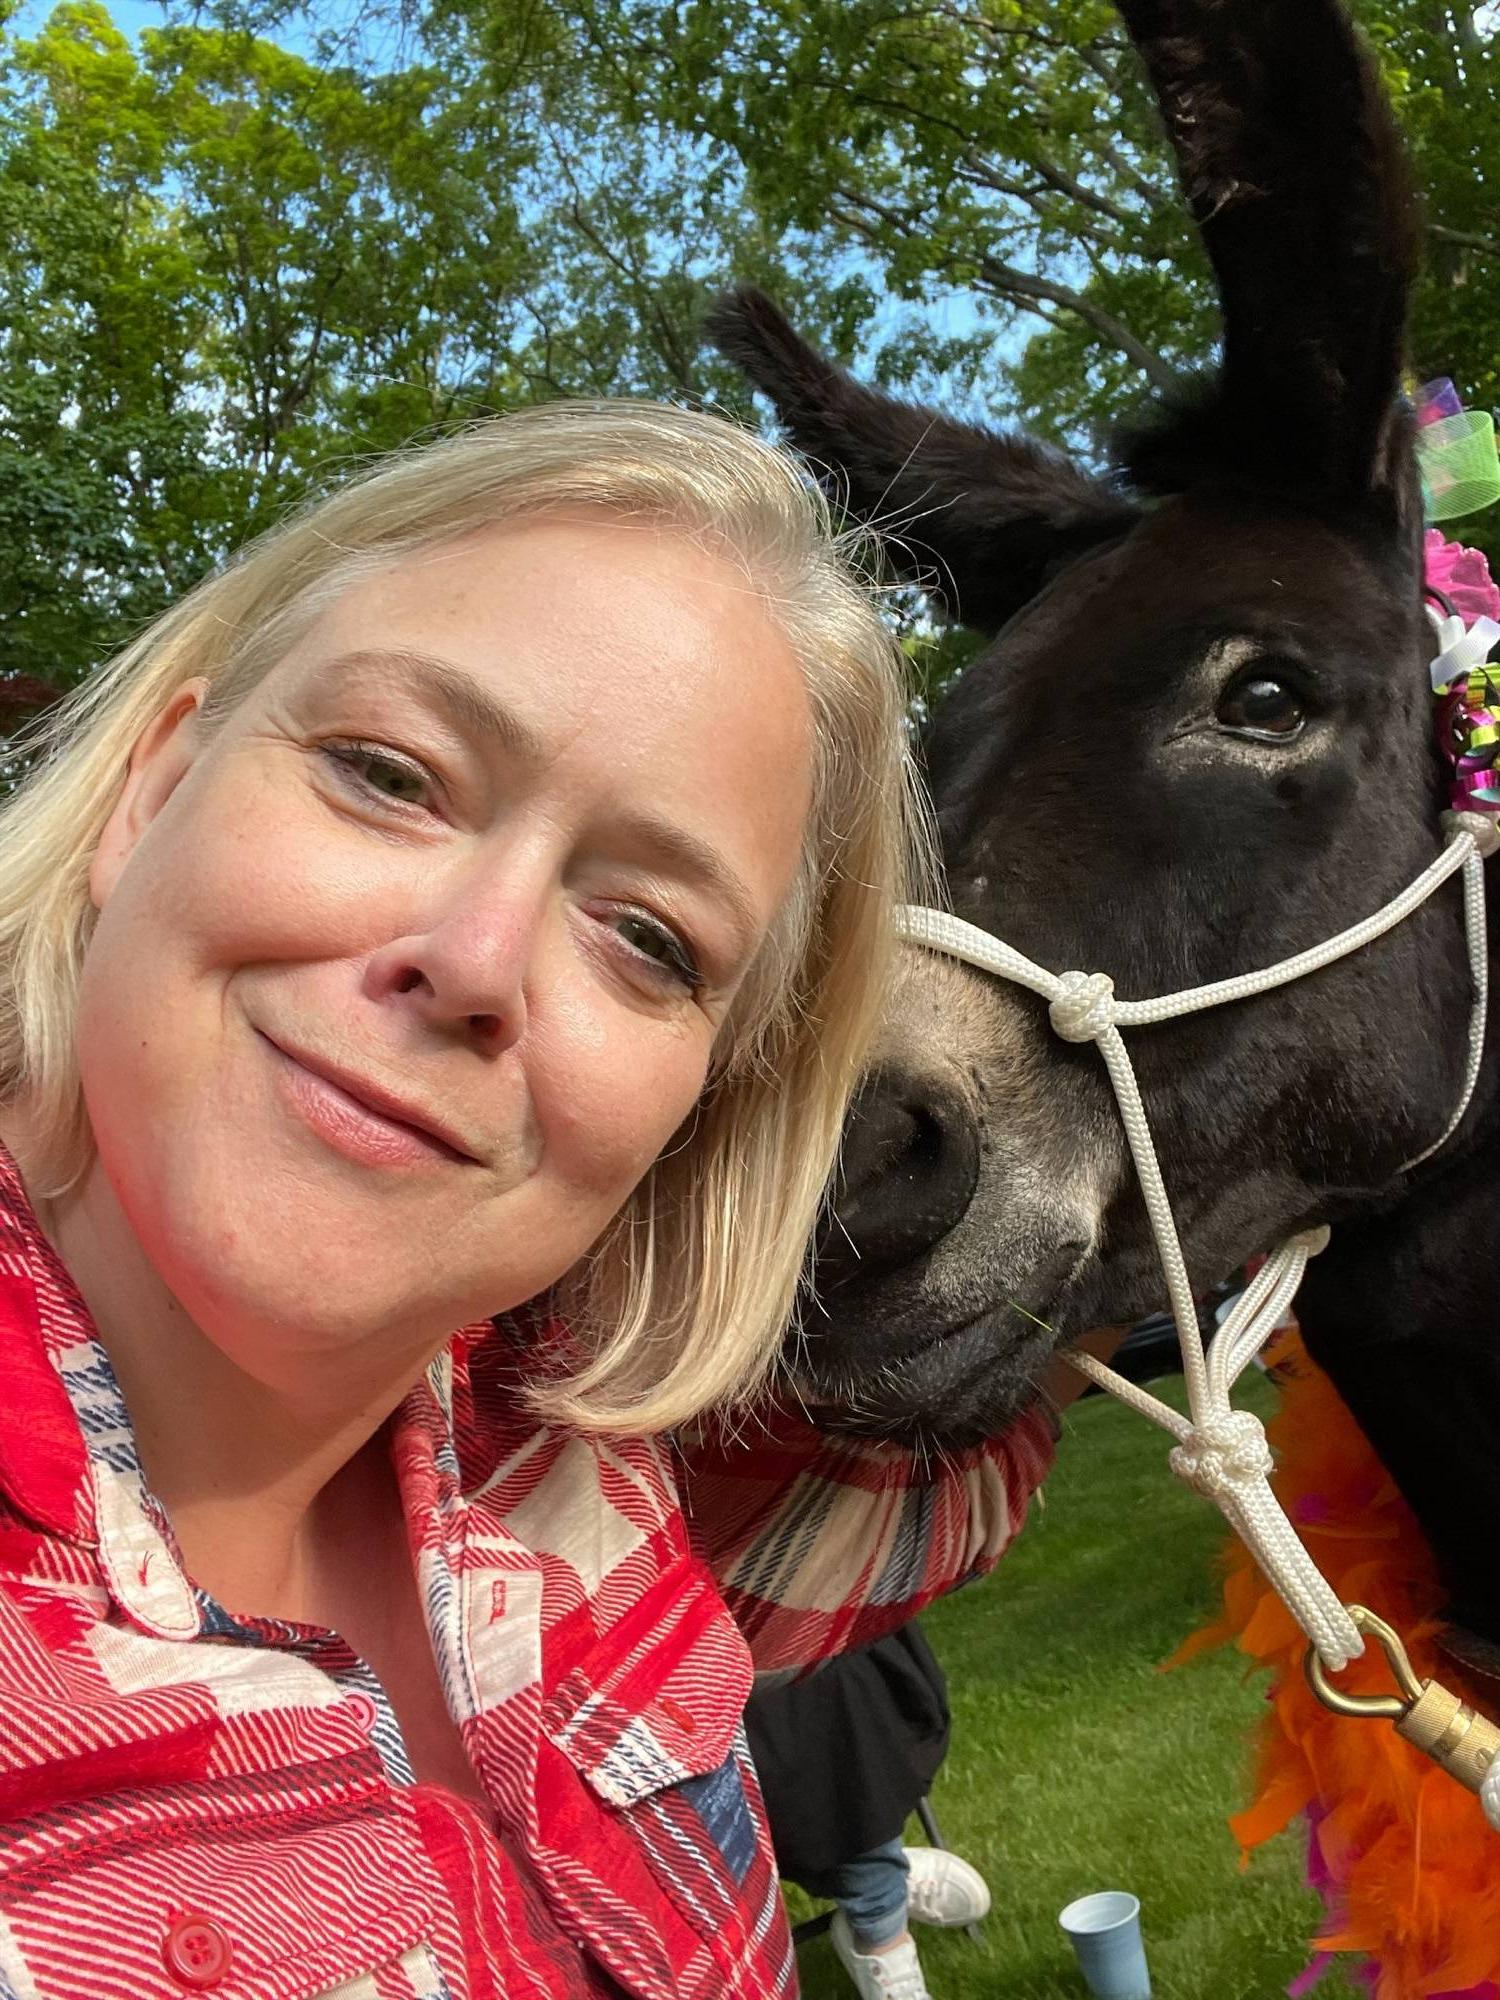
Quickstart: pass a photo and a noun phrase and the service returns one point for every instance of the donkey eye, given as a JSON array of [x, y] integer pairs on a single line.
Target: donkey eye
[[1258, 704]]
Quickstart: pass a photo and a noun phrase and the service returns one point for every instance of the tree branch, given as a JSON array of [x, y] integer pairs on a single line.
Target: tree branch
[[1465, 239], [980, 173], [1019, 287], [1148, 191], [1064, 183]]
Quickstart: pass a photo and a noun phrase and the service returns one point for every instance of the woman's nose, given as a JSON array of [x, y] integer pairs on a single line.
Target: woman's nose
[[466, 972]]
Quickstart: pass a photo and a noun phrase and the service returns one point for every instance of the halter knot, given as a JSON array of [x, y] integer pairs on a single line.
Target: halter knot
[[1223, 1454], [1311, 1242], [1084, 1006], [1481, 827]]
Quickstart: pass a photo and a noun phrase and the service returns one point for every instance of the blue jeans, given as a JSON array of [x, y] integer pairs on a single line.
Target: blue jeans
[[871, 1892]]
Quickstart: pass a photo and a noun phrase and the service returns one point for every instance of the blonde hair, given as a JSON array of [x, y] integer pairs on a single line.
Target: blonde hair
[[682, 1303]]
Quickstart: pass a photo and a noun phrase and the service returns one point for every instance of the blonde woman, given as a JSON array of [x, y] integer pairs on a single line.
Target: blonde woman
[[468, 911]]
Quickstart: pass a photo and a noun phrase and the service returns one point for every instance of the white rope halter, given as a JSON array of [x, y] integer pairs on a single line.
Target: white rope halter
[[1222, 1452]]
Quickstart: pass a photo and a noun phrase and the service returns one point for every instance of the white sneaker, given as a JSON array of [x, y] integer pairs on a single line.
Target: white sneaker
[[879, 1975], [943, 1889]]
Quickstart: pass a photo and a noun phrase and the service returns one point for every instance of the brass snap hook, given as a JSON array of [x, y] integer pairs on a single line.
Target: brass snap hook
[[1386, 1705], [1426, 1713]]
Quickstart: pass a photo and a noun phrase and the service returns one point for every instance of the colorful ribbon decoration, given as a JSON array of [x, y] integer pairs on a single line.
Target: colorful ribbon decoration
[[1460, 468], [1468, 728], [1456, 453], [1465, 682]]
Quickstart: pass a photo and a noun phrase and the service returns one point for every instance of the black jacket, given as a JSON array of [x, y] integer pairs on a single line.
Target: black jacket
[[844, 1755]]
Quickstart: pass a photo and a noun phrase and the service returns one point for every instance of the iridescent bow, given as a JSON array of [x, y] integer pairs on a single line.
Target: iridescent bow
[[1468, 729]]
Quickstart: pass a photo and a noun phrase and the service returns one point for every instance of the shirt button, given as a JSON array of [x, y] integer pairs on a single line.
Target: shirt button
[[362, 1708], [684, 1718], [196, 1951]]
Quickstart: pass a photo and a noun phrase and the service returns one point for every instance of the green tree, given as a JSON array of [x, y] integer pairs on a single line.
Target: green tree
[[102, 469], [231, 269], [1005, 154], [1006, 151], [1446, 78], [228, 266]]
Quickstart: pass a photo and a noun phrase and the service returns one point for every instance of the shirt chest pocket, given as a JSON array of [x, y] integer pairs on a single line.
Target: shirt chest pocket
[[215, 1888], [650, 1724], [657, 1700]]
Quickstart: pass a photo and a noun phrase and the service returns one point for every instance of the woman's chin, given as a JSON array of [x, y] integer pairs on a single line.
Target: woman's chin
[[275, 1271]]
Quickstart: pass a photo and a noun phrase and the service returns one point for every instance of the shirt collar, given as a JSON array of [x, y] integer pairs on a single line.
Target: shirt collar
[[68, 1459], [68, 1456], [45, 1469]]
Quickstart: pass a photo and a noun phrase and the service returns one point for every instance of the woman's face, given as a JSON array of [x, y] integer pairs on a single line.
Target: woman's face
[[406, 972]]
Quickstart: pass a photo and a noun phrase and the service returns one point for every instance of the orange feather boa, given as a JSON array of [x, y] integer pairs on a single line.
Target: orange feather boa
[[1403, 1855]]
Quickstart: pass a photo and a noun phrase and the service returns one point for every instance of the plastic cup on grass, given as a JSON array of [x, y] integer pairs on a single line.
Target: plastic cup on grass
[[1105, 1931]]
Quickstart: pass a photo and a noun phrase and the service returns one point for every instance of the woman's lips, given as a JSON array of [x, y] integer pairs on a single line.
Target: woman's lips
[[354, 1127]]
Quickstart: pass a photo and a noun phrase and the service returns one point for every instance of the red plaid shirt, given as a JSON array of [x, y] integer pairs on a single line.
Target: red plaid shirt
[[192, 1800]]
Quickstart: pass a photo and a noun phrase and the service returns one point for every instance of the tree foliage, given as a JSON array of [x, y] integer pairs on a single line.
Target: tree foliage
[[230, 269], [1006, 151], [260, 243]]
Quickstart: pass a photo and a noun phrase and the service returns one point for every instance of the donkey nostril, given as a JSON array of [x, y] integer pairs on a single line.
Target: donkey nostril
[[908, 1171], [888, 1138]]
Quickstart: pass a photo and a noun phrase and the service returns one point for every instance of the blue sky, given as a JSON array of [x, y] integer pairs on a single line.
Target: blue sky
[[130, 15]]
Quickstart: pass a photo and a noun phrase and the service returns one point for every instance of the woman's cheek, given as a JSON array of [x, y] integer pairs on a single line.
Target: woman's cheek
[[314, 900], [620, 1105]]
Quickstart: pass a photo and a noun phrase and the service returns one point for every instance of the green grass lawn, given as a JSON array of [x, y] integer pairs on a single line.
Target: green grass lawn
[[1077, 1765]]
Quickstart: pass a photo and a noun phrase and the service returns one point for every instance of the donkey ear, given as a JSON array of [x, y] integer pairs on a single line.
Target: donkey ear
[[978, 518], [1296, 177]]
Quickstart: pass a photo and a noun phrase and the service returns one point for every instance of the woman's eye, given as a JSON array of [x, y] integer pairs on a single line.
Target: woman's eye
[[1258, 704], [382, 771], [655, 942]]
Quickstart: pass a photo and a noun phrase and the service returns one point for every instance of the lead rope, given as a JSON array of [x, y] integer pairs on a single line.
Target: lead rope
[[1222, 1452]]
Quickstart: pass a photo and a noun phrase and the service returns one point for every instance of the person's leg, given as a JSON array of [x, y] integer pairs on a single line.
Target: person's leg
[[871, 1892], [869, 1933]]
